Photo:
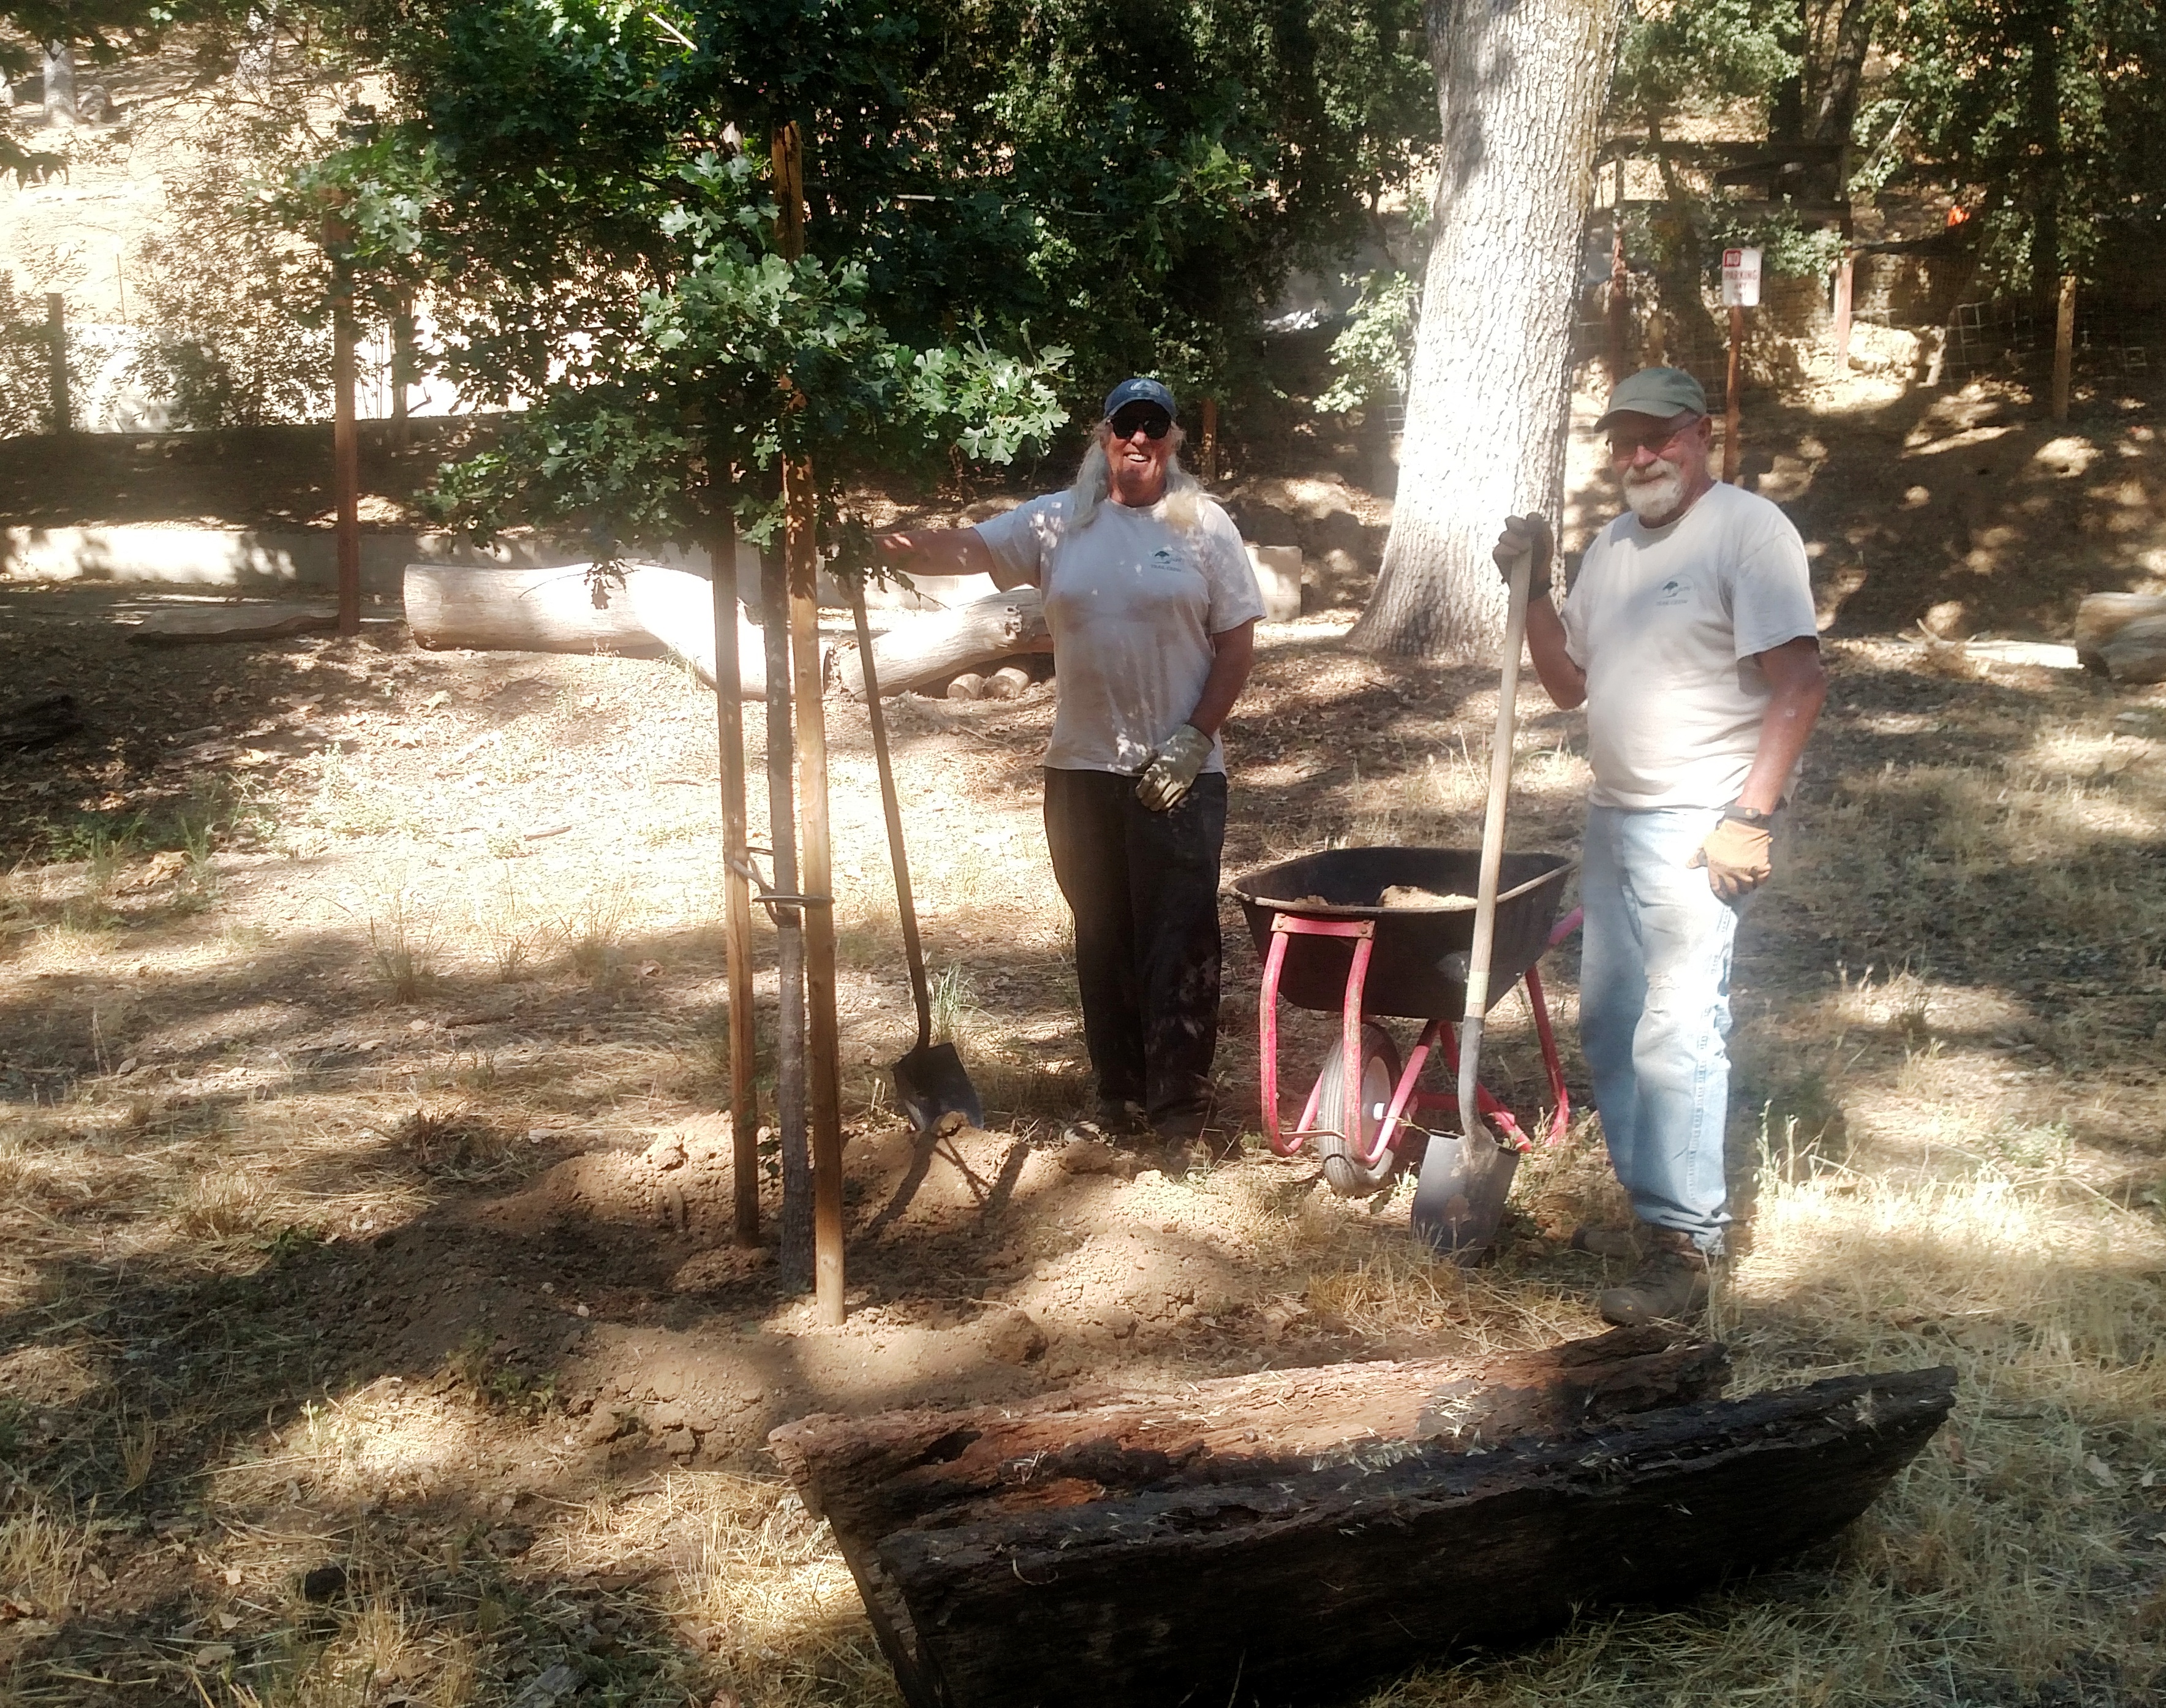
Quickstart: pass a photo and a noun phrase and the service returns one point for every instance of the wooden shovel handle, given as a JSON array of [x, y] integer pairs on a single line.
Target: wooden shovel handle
[[1493, 828], [913, 952]]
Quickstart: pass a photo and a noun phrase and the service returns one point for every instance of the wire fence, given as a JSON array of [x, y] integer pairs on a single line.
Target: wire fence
[[2013, 338], [1996, 337]]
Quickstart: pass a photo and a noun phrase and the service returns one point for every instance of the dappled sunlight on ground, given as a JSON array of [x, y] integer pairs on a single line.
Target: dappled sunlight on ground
[[367, 1207]]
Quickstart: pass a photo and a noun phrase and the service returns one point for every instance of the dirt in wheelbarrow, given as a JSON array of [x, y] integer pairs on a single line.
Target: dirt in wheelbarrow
[[370, 1303]]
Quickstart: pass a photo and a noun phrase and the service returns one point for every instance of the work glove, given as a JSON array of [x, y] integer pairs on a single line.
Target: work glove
[[1737, 858], [1519, 533], [1172, 768]]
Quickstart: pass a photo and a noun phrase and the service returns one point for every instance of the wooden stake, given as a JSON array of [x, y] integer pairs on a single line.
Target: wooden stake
[[823, 1053], [2064, 347], [823, 1089], [57, 372], [1845, 279], [345, 442], [402, 372], [1210, 440], [796, 1241], [1732, 449], [737, 892]]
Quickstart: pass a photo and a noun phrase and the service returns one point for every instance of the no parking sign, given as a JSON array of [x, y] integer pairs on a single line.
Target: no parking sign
[[1740, 278]]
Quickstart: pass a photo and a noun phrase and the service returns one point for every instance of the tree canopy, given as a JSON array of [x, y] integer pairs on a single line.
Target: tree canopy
[[1008, 205]]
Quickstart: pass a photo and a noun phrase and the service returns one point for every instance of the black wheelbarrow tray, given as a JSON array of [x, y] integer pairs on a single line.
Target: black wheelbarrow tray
[[1329, 943]]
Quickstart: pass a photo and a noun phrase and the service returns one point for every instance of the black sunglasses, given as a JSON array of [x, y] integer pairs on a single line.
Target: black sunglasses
[[1153, 420]]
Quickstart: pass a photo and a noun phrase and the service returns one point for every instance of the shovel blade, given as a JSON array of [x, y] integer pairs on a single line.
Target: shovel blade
[[1460, 1198], [930, 1082]]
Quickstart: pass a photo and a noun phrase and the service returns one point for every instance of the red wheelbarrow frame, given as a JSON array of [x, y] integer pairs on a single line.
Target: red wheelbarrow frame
[[1406, 1100]]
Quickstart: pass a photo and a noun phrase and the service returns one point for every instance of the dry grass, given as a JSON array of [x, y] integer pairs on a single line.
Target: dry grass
[[402, 932], [2015, 1551], [762, 1587], [223, 1204], [1961, 1128], [41, 1559]]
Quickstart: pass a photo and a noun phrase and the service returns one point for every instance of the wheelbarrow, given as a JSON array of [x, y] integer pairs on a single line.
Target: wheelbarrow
[[1329, 944]]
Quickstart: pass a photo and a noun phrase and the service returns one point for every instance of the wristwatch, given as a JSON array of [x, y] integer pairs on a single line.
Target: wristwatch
[[1749, 815]]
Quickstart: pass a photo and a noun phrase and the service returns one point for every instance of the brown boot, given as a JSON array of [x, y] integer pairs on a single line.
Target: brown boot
[[1671, 1285], [1621, 1244]]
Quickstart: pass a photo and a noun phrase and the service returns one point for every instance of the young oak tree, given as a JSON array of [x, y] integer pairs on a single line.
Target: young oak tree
[[1519, 92], [585, 188]]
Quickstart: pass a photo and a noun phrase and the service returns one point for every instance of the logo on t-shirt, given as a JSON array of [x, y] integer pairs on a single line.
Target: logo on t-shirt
[[1167, 558], [1671, 592]]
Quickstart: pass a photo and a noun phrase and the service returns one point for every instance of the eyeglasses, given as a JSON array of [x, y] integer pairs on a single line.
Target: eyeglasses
[[1623, 444], [1154, 421]]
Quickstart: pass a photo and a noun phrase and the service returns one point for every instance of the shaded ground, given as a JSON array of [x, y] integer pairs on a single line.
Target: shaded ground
[[361, 1041], [278, 477]]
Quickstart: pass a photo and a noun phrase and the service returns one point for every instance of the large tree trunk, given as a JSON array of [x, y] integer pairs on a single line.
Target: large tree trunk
[[1520, 90], [60, 83], [1835, 110]]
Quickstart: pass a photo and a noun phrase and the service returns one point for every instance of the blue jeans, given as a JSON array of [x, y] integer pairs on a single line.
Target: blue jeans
[[1653, 1012]]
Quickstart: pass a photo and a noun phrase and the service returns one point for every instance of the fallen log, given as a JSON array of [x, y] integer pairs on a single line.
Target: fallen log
[[1009, 682], [40, 723], [933, 647], [652, 611], [1288, 1537], [522, 610], [677, 609], [257, 620], [872, 1478], [2123, 635]]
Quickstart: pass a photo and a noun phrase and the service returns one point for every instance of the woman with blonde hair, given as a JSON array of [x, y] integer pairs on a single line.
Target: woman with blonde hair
[[1153, 608]]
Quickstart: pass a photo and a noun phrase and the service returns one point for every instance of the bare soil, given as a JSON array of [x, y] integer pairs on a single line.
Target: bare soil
[[362, 1037]]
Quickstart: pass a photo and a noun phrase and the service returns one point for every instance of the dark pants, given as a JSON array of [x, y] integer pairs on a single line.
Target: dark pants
[[1143, 887]]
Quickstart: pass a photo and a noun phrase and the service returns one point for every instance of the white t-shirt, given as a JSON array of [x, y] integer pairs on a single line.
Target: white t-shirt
[[1132, 603], [1666, 623]]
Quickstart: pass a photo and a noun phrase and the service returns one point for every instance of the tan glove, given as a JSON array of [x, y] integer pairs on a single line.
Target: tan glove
[[1737, 856], [1532, 535], [1173, 768]]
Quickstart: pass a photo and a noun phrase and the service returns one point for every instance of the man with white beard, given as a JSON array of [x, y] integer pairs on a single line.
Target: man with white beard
[[1690, 638]]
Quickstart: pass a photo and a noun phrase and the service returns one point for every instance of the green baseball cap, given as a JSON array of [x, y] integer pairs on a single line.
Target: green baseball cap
[[1660, 392]]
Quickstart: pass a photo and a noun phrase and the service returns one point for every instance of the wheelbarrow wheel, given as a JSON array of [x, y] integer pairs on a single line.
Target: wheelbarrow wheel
[[1343, 1170]]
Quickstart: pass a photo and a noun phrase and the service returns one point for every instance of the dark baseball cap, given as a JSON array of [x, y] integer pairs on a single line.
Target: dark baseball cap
[[1660, 392], [1139, 391]]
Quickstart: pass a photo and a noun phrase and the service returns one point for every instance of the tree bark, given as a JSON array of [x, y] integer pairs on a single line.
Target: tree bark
[[1519, 90], [2043, 173], [902, 1470], [2124, 635], [1290, 1536], [795, 1256], [60, 82], [920, 650], [1835, 109]]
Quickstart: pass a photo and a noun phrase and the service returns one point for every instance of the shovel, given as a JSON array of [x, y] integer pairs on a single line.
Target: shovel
[[1466, 1175], [929, 1081]]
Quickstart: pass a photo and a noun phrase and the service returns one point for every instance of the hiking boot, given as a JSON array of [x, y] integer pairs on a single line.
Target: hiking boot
[[1119, 1118], [1671, 1285], [1621, 1244]]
